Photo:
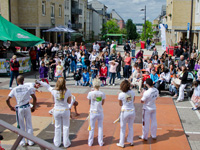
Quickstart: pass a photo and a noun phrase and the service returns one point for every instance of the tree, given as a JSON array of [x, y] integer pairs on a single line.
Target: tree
[[149, 31], [131, 30]]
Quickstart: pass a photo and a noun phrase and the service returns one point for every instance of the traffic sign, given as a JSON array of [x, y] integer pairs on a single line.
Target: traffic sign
[[188, 30]]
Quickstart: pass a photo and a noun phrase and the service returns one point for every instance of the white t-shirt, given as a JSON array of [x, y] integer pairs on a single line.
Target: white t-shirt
[[96, 47], [96, 98], [127, 99], [59, 99], [22, 94], [197, 91], [149, 98], [31, 85]]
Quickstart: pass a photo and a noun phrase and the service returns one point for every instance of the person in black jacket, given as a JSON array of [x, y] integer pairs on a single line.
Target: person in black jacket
[[178, 52], [77, 77], [127, 48], [183, 84], [119, 61]]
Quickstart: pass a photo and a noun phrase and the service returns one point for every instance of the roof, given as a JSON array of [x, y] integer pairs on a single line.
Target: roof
[[98, 2], [115, 35], [117, 14]]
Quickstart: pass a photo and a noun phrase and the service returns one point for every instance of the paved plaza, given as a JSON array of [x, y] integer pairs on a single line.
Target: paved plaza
[[178, 125]]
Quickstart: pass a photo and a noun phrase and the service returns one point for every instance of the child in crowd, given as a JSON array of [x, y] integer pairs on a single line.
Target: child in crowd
[[42, 60], [175, 83], [154, 77], [103, 74], [62, 61], [113, 66], [196, 95], [77, 77], [94, 71], [43, 71], [86, 78], [106, 62], [59, 70], [79, 65], [146, 76]]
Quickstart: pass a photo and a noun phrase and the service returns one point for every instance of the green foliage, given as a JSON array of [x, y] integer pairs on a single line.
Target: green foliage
[[131, 30], [158, 43], [123, 31], [149, 31]]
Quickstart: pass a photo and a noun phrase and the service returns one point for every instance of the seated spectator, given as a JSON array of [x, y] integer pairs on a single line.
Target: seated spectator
[[169, 61], [140, 63], [197, 66], [175, 83], [193, 55], [155, 60], [137, 79], [181, 62], [164, 55], [161, 69], [86, 78], [172, 69], [146, 76], [183, 84], [146, 63], [196, 96], [154, 77], [185, 54], [139, 54], [164, 78], [150, 68], [155, 52]]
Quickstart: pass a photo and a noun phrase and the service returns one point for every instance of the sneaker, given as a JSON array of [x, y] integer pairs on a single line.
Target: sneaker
[[140, 137], [120, 145], [194, 108], [22, 144], [118, 79], [30, 143], [154, 138], [113, 84], [51, 111], [10, 88], [177, 101], [109, 84], [131, 144], [67, 146]]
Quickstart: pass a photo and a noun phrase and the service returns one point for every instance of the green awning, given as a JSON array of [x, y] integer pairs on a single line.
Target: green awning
[[17, 36], [115, 35]]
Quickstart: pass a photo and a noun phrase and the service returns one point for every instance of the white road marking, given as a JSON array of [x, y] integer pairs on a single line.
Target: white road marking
[[181, 107], [187, 132], [197, 112]]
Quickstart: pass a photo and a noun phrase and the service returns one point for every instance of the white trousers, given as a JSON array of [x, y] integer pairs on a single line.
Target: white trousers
[[149, 115], [61, 118], [25, 113], [93, 118], [181, 92], [139, 83], [126, 117]]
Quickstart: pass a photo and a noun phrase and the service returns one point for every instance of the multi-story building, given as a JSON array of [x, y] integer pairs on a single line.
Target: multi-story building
[[76, 11], [178, 14], [67, 12], [89, 23], [120, 20], [35, 15], [197, 24]]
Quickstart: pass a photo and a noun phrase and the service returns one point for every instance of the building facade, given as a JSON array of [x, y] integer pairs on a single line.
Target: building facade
[[120, 20]]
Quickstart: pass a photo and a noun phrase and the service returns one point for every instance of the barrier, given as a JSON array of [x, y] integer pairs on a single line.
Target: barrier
[[22, 134]]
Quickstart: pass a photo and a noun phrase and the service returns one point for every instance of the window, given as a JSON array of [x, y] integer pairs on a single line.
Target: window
[[52, 10], [67, 4], [60, 10], [43, 8]]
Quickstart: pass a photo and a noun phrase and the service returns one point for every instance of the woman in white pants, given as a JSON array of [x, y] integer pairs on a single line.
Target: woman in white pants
[[96, 100], [183, 84], [126, 99], [61, 112]]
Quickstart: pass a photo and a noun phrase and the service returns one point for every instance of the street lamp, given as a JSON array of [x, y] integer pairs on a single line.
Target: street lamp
[[144, 20], [190, 35]]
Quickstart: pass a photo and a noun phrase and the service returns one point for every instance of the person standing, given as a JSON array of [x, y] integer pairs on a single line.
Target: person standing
[[126, 101], [73, 62], [119, 61], [127, 66], [113, 67], [33, 56], [14, 70], [127, 47], [148, 42], [149, 111], [23, 95], [96, 100], [178, 52], [61, 112]]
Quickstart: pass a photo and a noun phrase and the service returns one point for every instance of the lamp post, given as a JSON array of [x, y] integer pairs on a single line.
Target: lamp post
[[190, 35], [144, 20], [9, 3]]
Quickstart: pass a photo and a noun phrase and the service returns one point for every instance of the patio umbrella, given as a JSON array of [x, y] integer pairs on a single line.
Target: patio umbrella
[[60, 29]]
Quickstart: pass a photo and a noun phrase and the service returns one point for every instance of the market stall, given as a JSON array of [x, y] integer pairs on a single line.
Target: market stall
[[10, 37]]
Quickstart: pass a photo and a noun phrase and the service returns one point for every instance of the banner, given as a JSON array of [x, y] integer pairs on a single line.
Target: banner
[[25, 65], [163, 36]]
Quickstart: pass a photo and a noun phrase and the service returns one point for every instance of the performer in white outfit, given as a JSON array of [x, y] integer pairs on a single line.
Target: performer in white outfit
[[126, 99], [33, 86], [149, 111], [23, 95], [61, 112], [96, 100]]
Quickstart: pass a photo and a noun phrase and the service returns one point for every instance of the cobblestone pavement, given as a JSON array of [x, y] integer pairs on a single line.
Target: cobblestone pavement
[[190, 120]]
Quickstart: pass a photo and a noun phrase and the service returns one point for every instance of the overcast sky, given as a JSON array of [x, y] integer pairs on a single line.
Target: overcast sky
[[131, 8]]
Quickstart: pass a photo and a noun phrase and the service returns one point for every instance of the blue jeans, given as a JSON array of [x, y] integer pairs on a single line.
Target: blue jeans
[[118, 75], [13, 75], [73, 67], [172, 88], [108, 67], [126, 71], [112, 77]]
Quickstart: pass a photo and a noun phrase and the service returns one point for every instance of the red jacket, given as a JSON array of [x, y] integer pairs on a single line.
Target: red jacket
[[103, 71], [146, 77], [14, 66]]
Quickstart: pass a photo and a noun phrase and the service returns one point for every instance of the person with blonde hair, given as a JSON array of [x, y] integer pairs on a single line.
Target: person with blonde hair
[[14, 70], [61, 112], [96, 100]]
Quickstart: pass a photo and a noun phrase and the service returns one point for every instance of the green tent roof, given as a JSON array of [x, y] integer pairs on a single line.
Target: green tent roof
[[17, 36], [115, 35]]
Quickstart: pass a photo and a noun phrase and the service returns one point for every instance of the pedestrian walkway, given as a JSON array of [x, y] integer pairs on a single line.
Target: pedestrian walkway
[[170, 131]]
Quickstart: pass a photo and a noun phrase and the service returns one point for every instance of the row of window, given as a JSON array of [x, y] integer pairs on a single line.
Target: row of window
[[52, 9]]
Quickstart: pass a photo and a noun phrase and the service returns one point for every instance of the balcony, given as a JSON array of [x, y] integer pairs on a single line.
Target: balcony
[[76, 11], [77, 26]]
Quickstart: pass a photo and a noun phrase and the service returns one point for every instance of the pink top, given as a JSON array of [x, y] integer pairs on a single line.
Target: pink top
[[127, 61], [113, 67]]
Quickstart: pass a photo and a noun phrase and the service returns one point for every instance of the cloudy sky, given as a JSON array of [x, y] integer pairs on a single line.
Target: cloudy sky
[[131, 8]]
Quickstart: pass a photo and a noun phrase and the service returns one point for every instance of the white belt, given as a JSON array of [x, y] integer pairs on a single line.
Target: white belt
[[60, 109], [127, 110]]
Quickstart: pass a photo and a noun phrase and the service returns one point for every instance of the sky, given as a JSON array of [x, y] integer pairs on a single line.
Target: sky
[[131, 8]]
